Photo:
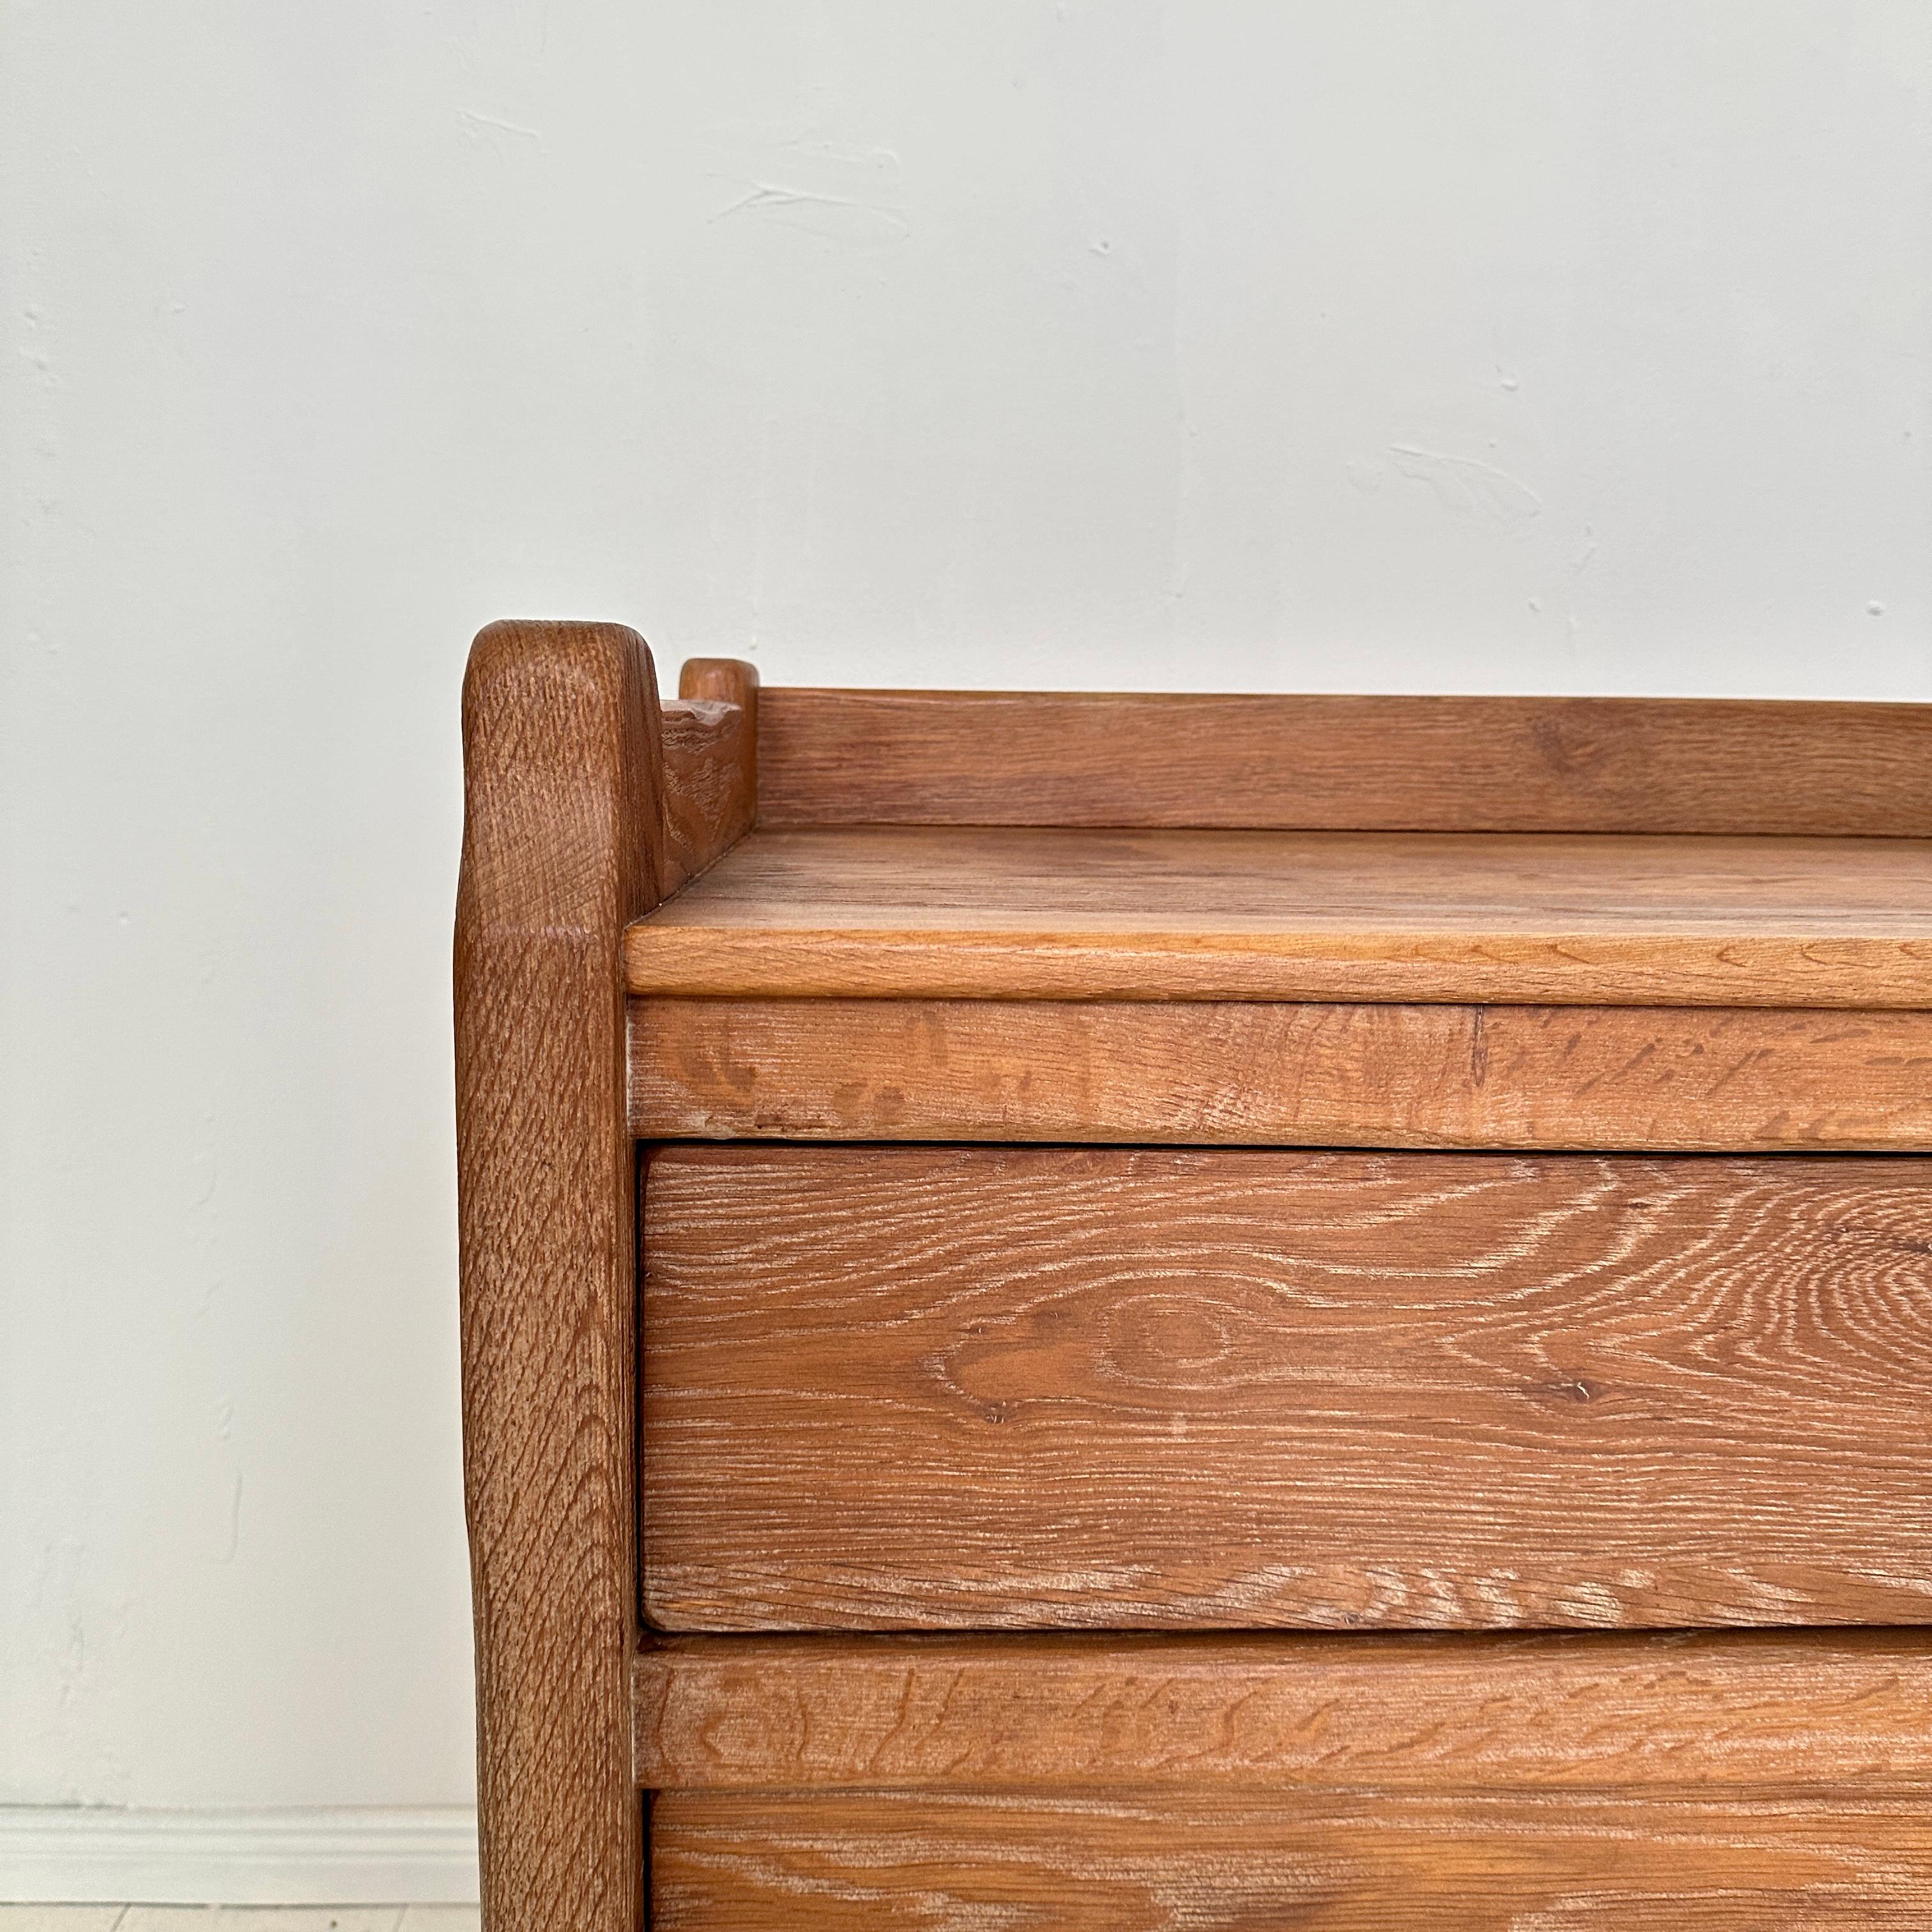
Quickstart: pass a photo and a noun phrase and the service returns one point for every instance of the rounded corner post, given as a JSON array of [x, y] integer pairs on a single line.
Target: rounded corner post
[[720, 680], [562, 846]]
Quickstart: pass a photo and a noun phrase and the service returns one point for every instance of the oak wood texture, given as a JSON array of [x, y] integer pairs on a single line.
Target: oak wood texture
[[720, 681], [1710, 1710], [1234, 1861], [562, 843], [1347, 763], [584, 801], [710, 739], [1233, 1072], [956, 912], [1012, 1387], [1459, 1419]]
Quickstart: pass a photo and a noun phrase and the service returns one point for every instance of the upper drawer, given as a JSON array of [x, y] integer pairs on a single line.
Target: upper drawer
[[907, 1387]]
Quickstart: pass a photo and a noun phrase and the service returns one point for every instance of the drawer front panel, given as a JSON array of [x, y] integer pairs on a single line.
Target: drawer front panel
[[1367, 1862], [1010, 1388], [1415, 1711]]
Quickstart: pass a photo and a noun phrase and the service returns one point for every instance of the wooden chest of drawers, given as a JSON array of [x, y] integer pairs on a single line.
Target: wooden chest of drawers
[[1135, 1312]]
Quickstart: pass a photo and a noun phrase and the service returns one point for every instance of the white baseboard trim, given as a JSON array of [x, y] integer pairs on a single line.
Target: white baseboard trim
[[53, 1854]]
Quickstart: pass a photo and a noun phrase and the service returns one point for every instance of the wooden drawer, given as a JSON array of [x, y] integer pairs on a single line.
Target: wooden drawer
[[1002, 1386], [1162, 1861], [1556, 1781]]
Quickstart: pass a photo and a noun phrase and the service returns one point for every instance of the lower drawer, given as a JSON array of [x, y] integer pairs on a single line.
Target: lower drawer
[[1562, 1779], [1151, 1861], [998, 1387]]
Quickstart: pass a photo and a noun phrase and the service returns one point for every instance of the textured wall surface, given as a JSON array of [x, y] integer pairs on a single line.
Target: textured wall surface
[[1478, 345]]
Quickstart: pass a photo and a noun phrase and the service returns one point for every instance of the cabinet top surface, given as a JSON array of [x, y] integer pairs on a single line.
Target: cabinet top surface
[[1583, 919]]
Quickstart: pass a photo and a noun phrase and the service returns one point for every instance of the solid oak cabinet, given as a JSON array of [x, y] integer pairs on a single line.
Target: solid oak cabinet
[[1133, 1312]]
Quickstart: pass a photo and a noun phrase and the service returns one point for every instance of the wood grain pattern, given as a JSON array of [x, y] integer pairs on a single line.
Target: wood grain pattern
[[1742, 1080], [720, 681], [897, 1388], [988, 913], [562, 845], [1223, 1861], [710, 753], [1708, 1710], [1346, 763]]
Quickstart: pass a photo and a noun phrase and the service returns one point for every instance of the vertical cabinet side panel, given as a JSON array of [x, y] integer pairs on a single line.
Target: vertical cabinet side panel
[[562, 843]]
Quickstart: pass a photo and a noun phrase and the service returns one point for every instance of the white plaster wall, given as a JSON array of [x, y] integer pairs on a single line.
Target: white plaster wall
[[1544, 345]]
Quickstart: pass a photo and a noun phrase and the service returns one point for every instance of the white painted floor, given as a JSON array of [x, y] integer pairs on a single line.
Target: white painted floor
[[239, 1918]]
